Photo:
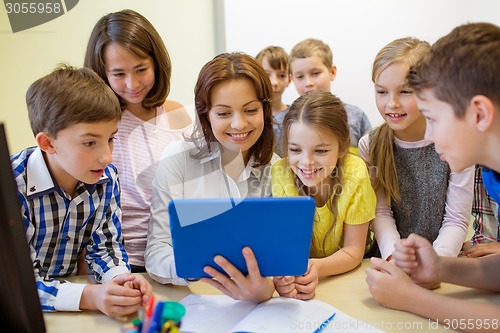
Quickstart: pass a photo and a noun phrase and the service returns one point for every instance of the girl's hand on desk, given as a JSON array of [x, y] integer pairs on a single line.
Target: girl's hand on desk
[[253, 287], [113, 298], [285, 286], [307, 283], [482, 249]]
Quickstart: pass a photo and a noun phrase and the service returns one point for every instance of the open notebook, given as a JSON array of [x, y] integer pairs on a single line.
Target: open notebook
[[278, 230], [222, 314]]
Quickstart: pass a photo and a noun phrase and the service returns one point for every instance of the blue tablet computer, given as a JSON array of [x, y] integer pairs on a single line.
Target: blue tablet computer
[[277, 229]]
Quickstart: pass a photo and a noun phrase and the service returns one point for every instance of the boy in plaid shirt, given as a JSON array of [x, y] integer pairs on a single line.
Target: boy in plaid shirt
[[69, 195]]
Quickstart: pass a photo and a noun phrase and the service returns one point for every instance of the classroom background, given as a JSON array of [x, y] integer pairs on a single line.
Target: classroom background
[[194, 31]]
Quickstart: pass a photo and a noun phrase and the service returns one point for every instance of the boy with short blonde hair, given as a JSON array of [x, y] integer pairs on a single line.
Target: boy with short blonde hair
[[313, 47], [312, 68], [69, 195]]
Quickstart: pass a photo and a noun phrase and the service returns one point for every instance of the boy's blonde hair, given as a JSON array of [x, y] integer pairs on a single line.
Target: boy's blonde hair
[[406, 50], [312, 47], [276, 56], [70, 96]]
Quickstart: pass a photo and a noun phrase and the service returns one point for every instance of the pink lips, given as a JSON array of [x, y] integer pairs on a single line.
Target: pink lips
[[135, 94], [97, 173], [395, 116]]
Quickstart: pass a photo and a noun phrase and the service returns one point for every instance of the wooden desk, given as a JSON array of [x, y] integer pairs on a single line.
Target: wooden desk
[[348, 293]]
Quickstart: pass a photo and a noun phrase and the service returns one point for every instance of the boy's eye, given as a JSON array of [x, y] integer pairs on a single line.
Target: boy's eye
[[381, 92], [111, 139], [89, 143]]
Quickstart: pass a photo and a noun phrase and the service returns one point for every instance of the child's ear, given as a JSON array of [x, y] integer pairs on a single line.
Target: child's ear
[[483, 111], [44, 141], [333, 72]]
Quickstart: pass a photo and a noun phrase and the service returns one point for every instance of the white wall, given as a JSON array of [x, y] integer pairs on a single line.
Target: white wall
[[355, 30], [187, 28]]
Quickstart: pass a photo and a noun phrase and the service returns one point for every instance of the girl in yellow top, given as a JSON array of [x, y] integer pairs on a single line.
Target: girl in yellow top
[[316, 135]]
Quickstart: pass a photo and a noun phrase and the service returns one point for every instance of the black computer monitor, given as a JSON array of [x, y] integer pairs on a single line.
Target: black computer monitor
[[20, 307]]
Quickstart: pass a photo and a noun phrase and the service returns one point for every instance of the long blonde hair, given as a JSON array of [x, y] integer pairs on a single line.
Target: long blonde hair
[[403, 50]]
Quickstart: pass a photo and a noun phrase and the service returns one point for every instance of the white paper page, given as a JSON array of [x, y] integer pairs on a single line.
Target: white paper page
[[212, 313], [222, 314], [286, 315]]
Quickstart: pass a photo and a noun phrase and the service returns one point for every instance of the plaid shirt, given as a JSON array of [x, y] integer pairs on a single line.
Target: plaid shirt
[[59, 228], [484, 212]]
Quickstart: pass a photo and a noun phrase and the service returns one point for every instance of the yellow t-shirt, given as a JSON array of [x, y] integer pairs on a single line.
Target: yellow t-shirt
[[355, 205]]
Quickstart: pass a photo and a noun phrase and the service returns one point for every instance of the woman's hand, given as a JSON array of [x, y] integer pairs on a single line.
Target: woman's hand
[[253, 287]]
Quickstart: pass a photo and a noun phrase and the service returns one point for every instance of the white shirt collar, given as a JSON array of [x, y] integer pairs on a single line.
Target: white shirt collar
[[38, 177]]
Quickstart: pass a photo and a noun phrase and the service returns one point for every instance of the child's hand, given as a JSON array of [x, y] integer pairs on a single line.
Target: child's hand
[[416, 257], [285, 286], [140, 283], [482, 249], [253, 287], [113, 298], [388, 284], [307, 283]]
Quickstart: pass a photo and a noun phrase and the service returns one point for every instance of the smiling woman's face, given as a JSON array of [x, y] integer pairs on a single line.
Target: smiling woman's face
[[236, 116]]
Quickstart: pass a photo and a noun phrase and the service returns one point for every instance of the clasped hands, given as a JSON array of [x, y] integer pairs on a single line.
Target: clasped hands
[[301, 287]]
